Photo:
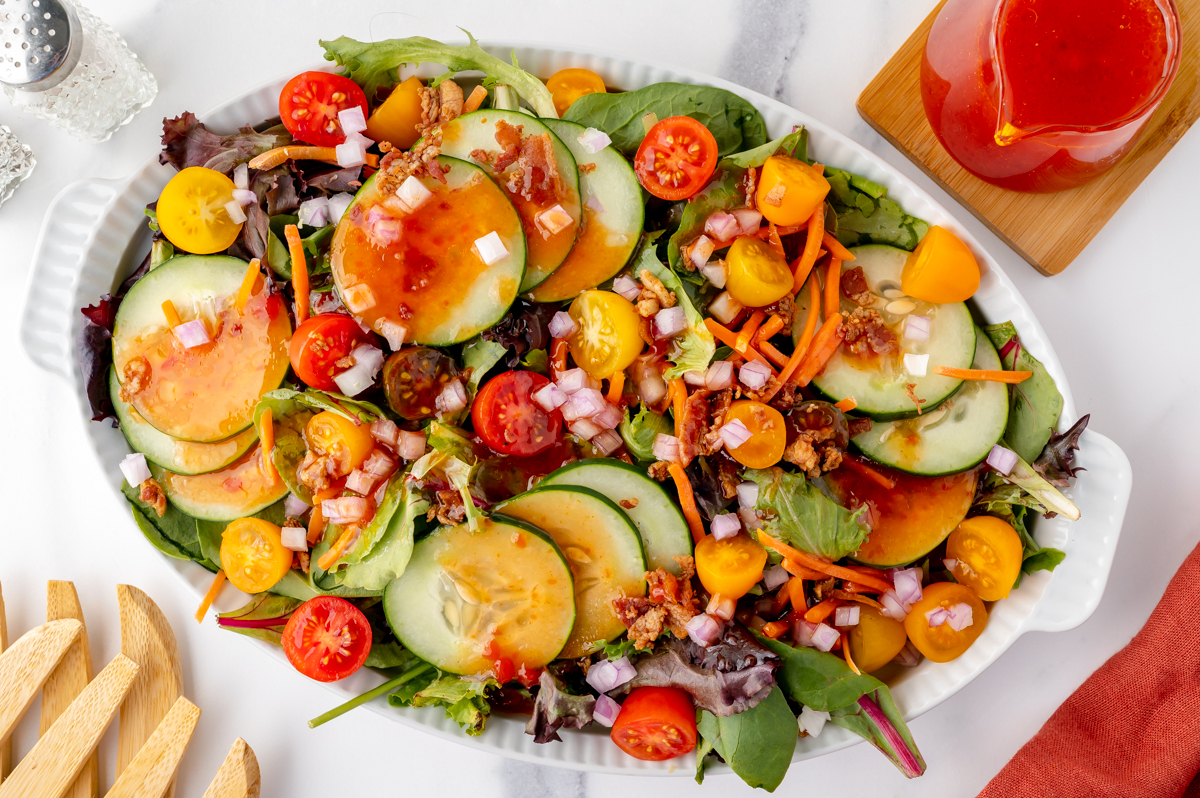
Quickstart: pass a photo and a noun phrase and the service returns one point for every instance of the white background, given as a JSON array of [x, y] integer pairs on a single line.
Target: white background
[[1121, 318]]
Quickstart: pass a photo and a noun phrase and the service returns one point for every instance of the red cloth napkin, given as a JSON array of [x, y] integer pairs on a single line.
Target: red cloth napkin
[[1133, 728]]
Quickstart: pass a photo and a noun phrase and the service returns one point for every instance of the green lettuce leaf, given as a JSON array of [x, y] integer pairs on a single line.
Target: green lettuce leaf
[[865, 215], [758, 744], [799, 514], [465, 700], [1036, 402], [289, 415], [694, 349], [452, 455], [390, 555], [315, 243], [639, 432]]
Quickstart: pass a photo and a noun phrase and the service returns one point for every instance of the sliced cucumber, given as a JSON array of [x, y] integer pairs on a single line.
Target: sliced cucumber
[[506, 584], [181, 457], [431, 281], [952, 438], [878, 383], [475, 133], [612, 222], [664, 532], [206, 393], [604, 551], [236, 491]]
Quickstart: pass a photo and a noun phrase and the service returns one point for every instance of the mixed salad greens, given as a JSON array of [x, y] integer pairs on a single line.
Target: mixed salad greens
[[595, 406]]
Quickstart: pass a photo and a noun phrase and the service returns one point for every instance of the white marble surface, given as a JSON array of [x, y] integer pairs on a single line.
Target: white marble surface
[[1131, 359]]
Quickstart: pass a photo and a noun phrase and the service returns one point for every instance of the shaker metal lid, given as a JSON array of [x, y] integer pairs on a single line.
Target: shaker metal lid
[[39, 42]]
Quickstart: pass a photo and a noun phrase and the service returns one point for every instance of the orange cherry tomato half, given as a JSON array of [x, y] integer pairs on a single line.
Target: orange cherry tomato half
[[656, 723], [768, 433], [310, 102], [731, 566], [568, 85], [319, 343], [507, 418], [943, 643], [327, 638], [676, 158]]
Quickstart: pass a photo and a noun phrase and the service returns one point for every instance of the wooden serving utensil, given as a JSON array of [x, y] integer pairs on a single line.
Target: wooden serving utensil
[[68, 680]]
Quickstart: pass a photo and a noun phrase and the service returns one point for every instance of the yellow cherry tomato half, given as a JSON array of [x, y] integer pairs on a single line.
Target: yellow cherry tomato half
[[756, 275], [988, 553], [731, 566], [253, 556], [568, 85], [328, 433], [768, 433], [876, 639], [607, 339], [191, 211], [941, 269], [789, 190], [397, 117], [943, 643]]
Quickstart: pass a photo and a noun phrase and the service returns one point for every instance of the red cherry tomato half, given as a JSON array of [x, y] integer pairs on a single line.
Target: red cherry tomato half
[[508, 420], [309, 106], [319, 343], [656, 723], [327, 638], [676, 158]]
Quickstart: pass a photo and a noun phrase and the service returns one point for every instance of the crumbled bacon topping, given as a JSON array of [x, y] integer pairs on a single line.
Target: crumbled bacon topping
[[854, 287], [136, 376], [152, 494], [318, 471], [865, 333], [448, 509], [910, 389], [668, 605]]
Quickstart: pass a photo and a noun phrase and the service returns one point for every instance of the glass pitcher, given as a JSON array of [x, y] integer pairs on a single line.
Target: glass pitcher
[[1044, 95]]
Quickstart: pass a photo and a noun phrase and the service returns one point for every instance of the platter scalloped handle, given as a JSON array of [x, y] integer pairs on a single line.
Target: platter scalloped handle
[[1077, 584]]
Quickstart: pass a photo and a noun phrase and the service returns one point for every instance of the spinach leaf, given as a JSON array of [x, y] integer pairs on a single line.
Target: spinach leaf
[[465, 700], [876, 719], [1036, 402], [393, 497], [289, 416], [390, 555], [798, 513], [693, 350], [303, 587], [735, 124], [315, 243], [537, 360], [704, 747], [866, 215], [758, 743], [640, 431], [262, 607], [175, 534], [375, 65]]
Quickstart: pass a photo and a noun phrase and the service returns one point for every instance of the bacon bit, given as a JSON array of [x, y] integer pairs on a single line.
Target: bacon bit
[[210, 596], [816, 564], [847, 404], [340, 547], [509, 138], [846, 653], [420, 160], [854, 464], [558, 357], [152, 494], [819, 612], [812, 246], [249, 282], [988, 375], [867, 334], [909, 388], [299, 271], [478, 95], [168, 309], [483, 156], [295, 152], [628, 504], [587, 168], [267, 447], [692, 429], [669, 603]]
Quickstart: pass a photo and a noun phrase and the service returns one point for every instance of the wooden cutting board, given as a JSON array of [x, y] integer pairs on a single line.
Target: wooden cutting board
[[1048, 230]]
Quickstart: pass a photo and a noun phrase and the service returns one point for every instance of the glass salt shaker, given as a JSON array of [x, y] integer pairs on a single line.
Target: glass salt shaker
[[16, 162], [60, 62]]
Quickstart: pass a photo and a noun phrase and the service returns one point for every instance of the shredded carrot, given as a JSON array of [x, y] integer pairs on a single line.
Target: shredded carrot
[[339, 548], [296, 152], [248, 284], [299, 271], [812, 245], [316, 522], [801, 572], [746, 335], [267, 445], [835, 246], [810, 326], [774, 240], [782, 597], [210, 596], [833, 287], [824, 344], [687, 500], [847, 404], [846, 653], [821, 611], [771, 353], [847, 595], [768, 330], [168, 309], [472, 103], [616, 386], [990, 375], [781, 231], [854, 464], [729, 338], [775, 629], [677, 392], [817, 564], [558, 356], [795, 589]]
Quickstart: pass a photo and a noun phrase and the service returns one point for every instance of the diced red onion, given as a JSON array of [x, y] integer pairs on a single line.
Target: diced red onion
[[721, 607], [719, 376], [562, 325], [610, 417], [916, 328], [812, 721], [192, 333], [802, 632], [412, 194], [999, 458], [452, 398], [241, 176], [593, 203], [669, 322], [246, 197], [694, 378], [700, 250], [892, 605], [775, 576], [916, 365], [627, 287], [572, 381], [606, 710], [721, 226], [909, 657], [703, 630], [937, 616], [960, 617], [747, 493], [314, 212], [345, 509], [410, 445], [824, 637], [724, 308], [950, 563], [725, 525], [490, 248], [846, 616], [379, 464], [235, 212], [549, 397], [607, 442], [352, 120], [384, 231], [593, 140], [584, 403], [361, 482], [754, 375], [714, 272], [135, 469], [294, 538], [385, 431], [361, 376], [380, 493], [338, 203], [585, 428], [294, 506], [607, 675], [748, 220], [734, 433], [666, 448], [908, 585], [749, 518], [651, 386], [377, 213], [351, 152]]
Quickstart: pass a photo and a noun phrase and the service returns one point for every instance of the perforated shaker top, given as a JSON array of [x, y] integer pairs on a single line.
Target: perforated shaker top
[[35, 42]]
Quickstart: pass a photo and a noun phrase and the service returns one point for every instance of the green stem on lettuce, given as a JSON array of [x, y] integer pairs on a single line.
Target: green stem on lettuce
[[370, 695], [1030, 481]]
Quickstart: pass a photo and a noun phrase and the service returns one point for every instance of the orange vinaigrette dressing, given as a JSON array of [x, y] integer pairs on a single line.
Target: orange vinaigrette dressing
[[598, 254]]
